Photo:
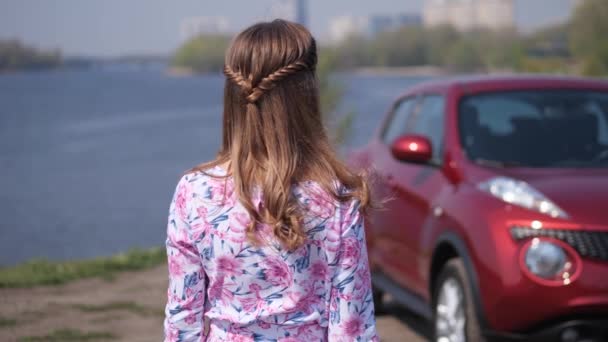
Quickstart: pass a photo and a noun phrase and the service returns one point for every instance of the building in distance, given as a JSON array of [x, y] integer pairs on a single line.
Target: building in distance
[[194, 26], [342, 27], [468, 15], [384, 23], [345, 26]]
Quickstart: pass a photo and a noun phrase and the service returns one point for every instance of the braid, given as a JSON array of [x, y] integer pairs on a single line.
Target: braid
[[238, 79], [253, 94], [271, 80]]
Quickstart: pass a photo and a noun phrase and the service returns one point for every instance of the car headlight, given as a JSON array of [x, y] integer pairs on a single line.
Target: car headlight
[[522, 194], [545, 259]]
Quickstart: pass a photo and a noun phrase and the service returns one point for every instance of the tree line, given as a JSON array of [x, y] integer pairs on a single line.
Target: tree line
[[14, 55], [579, 46]]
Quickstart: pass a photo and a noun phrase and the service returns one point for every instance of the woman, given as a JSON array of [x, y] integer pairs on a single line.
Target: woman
[[266, 242]]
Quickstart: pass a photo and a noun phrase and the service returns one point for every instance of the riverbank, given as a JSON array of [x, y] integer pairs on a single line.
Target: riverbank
[[126, 307], [43, 272], [84, 300]]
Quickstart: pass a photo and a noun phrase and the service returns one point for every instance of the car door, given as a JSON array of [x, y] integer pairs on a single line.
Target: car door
[[413, 188], [385, 253]]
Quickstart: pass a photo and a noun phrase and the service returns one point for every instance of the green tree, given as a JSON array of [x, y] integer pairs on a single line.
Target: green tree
[[15, 56], [352, 52], [464, 55], [405, 46], [204, 53], [550, 41], [438, 41], [499, 49], [331, 93], [589, 36]]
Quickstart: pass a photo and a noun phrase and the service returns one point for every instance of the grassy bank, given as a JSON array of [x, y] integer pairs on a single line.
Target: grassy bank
[[43, 272], [64, 335]]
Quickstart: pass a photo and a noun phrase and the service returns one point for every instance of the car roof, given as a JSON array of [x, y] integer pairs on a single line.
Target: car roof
[[476, 83]]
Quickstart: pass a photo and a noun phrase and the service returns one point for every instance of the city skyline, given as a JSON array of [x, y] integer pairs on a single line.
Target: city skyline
[[115, 28], [467, 15]]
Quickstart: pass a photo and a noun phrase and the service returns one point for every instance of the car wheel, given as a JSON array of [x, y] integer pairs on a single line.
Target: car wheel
[[378, 296], [455, 319]]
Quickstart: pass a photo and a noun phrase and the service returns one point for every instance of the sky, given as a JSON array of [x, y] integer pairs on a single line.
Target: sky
[[124, 27]]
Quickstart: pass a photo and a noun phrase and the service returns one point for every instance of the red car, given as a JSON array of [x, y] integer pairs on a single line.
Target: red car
[[495, 207]]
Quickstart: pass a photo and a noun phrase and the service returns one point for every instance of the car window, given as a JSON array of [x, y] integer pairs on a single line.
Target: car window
[[552, 128], [504, 113], [429, 122], [594, 109], [397, 124]]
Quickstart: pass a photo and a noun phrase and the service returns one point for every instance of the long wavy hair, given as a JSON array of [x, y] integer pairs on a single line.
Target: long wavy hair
[[273, 133]]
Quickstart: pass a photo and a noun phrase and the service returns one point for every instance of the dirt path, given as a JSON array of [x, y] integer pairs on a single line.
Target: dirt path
[[128, 308]]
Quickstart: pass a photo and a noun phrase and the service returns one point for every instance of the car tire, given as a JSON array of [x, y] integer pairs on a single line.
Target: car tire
[[454, 315], [378, 296]]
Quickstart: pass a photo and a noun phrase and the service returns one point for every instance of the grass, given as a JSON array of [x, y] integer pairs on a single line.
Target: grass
[[44, 272], [65, 335], [7, 322], [125, 306]]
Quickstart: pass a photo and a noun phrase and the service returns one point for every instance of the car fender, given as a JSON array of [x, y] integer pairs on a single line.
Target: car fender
[[454, 240]]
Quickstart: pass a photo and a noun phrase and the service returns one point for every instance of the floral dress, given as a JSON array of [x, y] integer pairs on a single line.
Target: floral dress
[[224, 288]]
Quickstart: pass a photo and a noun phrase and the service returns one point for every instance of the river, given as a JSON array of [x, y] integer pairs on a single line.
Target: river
[[89, 158]]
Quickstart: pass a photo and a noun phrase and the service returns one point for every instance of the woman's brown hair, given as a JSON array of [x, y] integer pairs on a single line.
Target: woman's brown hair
[[273, 133]]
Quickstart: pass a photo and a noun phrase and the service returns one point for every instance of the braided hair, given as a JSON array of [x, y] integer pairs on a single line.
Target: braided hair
[[267, 83], [273, 134]]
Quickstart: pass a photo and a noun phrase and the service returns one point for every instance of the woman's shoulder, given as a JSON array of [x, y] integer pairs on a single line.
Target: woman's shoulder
[[212, 184], [203, 176]]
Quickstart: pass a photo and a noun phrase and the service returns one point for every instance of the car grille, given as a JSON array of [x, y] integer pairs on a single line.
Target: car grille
[[591, 245]]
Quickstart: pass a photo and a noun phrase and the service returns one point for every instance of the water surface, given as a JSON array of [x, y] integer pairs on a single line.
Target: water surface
[[89, 159]]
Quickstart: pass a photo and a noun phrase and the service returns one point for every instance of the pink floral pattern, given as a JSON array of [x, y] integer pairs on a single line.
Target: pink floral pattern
[[245, 292]]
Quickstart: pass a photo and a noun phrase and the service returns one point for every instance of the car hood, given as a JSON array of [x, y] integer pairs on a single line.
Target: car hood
[[582, 194]]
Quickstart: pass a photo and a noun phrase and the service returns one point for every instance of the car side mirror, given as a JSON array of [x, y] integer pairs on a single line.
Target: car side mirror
[[412, 148]]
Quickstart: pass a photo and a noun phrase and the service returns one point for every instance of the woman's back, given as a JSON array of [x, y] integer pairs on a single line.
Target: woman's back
[[259, 291], [263, 244]]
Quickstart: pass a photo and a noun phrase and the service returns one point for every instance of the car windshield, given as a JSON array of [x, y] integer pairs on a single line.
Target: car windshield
[[537, 128]]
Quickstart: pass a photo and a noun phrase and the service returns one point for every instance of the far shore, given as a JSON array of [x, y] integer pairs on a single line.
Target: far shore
[[414, 71], [405, 71], [178, 71]]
